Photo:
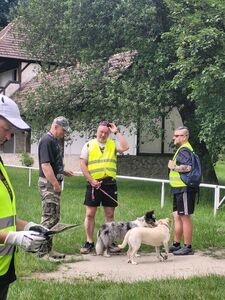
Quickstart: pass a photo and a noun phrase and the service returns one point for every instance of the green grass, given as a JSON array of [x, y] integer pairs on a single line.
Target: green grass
[[211, 287], [135, 198]]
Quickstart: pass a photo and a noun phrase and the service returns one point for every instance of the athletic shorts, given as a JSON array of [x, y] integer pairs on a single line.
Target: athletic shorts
[[96, 197], [184, 203]]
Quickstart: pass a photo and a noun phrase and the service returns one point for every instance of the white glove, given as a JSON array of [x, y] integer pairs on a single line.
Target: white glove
[[30, 241], [35, 227]]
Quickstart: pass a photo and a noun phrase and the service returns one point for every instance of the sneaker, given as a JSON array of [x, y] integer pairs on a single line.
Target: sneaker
[[52, 256], [87, 248], [184, 251], [174, 248], [114, 248], [56, 255]]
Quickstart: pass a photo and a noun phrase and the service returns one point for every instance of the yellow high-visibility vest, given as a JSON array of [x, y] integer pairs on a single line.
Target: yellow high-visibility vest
[[175, 179], [7, 221], [100, 164]]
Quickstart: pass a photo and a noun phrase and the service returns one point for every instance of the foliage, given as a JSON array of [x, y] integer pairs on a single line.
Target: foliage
[[5, 6], [180, 63], [26, 159]]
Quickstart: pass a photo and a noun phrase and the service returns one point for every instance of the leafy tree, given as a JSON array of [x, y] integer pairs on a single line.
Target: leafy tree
[[5, 6], [180, 63]]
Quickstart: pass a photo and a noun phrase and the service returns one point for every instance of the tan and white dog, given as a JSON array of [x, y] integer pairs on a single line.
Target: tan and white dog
[[156, 236]]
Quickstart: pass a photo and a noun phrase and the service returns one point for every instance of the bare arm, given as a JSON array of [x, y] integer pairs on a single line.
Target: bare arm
[[87, 175], [180, 169], [50, 176], [123, 145]]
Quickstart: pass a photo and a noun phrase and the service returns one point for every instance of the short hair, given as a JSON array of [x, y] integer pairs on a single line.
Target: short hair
[[183, 128]]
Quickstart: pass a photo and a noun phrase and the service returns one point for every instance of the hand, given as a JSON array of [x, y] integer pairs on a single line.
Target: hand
[[171, 165], [113, 128], [30, 241], [36, 227], [57, 188], [95, 183], [69, 173]]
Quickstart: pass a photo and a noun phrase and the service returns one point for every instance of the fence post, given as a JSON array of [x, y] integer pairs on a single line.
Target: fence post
[[216, 199], [29, 177], [162, 194]]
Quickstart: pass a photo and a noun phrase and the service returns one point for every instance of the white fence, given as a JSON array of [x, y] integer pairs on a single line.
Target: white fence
[[217, 188]]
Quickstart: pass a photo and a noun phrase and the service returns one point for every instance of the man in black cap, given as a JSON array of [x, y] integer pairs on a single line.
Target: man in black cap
[[51, 173], [13, 231]]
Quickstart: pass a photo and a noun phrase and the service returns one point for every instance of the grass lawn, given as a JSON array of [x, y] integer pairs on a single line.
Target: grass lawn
[[136, 198]]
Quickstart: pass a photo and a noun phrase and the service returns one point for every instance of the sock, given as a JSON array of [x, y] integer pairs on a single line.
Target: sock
[[188, 246], [176, 244]]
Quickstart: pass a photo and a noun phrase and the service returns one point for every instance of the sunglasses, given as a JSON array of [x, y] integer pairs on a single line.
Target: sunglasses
[[177, 135]]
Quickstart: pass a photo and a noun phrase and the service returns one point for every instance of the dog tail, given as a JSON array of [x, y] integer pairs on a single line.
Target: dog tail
[[99, 248], [125, 240]]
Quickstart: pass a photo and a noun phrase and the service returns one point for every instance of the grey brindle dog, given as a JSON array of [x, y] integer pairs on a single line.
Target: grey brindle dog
[[112, 231]]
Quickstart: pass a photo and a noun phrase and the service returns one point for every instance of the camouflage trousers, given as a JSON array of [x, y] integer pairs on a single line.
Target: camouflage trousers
[[50, 215]]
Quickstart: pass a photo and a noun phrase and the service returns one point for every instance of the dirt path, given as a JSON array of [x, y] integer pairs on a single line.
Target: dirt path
[[117, 269]]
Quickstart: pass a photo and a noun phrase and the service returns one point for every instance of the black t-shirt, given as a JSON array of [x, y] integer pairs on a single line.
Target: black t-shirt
[[49, 152]]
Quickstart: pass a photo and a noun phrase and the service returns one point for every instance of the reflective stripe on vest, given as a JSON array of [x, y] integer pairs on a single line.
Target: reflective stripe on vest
[[175, 180], [7, 221], [102, 164]]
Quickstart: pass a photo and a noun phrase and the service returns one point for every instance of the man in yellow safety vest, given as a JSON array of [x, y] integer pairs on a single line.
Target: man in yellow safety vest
[[98, 164], [13, 231], [183, 195]]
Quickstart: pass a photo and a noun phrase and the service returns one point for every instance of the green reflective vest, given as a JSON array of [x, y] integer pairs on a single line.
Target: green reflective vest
[[7, 221], [100, 164], [175, 180]]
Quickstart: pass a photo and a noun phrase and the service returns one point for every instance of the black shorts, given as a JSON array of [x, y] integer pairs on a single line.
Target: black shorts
[[184, 203], [95, 197]]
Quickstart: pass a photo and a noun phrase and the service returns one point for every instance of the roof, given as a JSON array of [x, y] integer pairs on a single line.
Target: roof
[[116, 65], [10, 44]]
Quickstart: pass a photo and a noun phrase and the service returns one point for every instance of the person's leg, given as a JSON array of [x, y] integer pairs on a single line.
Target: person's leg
[[178, 227], [187, 229], [50, 214], [89, 222], [109, 214], [4, 292]]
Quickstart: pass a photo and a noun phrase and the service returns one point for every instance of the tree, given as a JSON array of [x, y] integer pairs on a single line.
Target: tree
[[180, 62], [5, 6]]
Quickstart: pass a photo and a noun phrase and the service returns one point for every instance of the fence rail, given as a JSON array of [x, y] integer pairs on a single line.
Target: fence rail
[[217, 188]]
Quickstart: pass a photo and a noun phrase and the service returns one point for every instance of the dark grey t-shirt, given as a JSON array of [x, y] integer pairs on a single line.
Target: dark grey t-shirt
[[49, 152]]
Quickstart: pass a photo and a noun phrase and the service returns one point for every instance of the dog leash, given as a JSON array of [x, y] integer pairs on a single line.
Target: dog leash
[[119, 204]]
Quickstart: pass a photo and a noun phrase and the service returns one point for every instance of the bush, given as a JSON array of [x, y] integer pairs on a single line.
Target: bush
[[26, 159]]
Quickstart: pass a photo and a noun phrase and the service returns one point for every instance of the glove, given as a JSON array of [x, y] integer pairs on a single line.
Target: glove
[[36, 227], [30, 241]]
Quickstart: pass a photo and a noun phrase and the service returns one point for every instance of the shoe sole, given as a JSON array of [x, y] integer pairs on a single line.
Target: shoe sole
[[183, 254]]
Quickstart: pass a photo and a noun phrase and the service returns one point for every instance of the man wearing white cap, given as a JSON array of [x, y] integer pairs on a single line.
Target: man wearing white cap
[[13, 231], [51, 173]]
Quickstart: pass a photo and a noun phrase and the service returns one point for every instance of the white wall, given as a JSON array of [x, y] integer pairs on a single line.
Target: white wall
[[75, 147]]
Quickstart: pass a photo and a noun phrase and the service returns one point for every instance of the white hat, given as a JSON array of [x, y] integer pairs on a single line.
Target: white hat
[[10, 111]]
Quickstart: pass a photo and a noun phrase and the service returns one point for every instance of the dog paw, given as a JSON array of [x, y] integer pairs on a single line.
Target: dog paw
[[134, 262], [129, 261], [137, 255]]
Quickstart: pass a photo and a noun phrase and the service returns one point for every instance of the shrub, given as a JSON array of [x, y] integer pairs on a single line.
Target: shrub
[[26, 159]]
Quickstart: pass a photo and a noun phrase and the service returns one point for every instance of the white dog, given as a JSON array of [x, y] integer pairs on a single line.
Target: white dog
[[156, 236]]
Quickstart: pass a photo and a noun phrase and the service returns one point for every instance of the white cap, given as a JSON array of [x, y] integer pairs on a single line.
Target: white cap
[[10, 111]]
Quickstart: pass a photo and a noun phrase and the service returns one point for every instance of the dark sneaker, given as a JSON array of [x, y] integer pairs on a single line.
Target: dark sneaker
[[174, 248], [52, 256], [87, 248], [184, 251], [114, 248]]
